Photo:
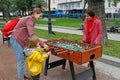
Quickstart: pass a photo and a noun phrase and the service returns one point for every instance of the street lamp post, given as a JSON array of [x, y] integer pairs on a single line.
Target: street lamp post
[[49, 18]]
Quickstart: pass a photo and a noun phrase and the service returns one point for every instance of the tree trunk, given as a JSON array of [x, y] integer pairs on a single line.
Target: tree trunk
[[6, 13], [31, 6], [98, 7]]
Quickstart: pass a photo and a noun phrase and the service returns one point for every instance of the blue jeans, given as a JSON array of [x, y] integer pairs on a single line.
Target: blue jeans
[[18, 50]]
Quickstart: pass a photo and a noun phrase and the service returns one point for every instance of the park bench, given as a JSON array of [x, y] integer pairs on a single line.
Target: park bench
[[4, 38], [111, 27], [117, 29]]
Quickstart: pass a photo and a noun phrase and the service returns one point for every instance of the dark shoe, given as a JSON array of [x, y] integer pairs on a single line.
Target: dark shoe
[[26, 78]]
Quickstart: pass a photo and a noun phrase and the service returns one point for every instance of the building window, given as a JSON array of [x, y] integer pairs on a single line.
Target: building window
[[54, 1], [78, 5], [109, 4], [115, 4], [59, 1]]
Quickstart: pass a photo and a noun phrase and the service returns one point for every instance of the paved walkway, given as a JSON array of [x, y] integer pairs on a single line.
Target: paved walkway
[[8, 68], [111, 36]]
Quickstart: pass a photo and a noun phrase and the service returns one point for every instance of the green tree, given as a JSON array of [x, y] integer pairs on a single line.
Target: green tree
[[40, 3], [4, 8], [19, 6]]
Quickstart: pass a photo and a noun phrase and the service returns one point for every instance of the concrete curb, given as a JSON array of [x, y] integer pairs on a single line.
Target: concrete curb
[[110, 60], [114, 59]]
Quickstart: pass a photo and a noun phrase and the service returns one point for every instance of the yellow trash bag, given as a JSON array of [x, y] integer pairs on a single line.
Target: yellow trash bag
[[34, 65]]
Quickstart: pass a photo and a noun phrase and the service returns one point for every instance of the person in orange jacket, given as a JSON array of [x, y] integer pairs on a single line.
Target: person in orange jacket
[[92, 31], [35, 57]]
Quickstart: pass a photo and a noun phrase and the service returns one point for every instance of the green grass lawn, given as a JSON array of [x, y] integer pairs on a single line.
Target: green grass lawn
[[67, 22], [70, 22], [1, 26], [111, 49]]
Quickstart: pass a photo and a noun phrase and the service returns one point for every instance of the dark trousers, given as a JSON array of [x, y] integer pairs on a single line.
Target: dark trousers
[[37, 77]]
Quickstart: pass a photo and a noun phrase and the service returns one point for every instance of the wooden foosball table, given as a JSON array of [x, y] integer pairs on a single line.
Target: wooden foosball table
[[74, 52]]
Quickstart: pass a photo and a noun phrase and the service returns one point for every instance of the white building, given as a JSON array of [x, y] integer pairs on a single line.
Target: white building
[[70, 4], [110, 7], [78, 4], [53, 5]]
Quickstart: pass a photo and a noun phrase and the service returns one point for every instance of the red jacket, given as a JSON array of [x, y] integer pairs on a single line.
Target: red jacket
[[96, 32], [9, 26]]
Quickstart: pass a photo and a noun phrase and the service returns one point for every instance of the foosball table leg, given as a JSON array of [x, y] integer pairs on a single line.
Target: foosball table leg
[[64, 63], [72, 70], [53, 64], [46, 66], [93, 69]]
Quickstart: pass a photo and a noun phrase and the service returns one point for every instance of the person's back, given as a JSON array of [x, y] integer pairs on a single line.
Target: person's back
[[24, 27]]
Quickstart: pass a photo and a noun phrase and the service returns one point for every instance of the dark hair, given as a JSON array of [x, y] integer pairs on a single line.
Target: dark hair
[[90, 13]]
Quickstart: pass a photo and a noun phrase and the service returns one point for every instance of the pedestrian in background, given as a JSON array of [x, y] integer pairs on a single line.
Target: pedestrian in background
[[23, 30]]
